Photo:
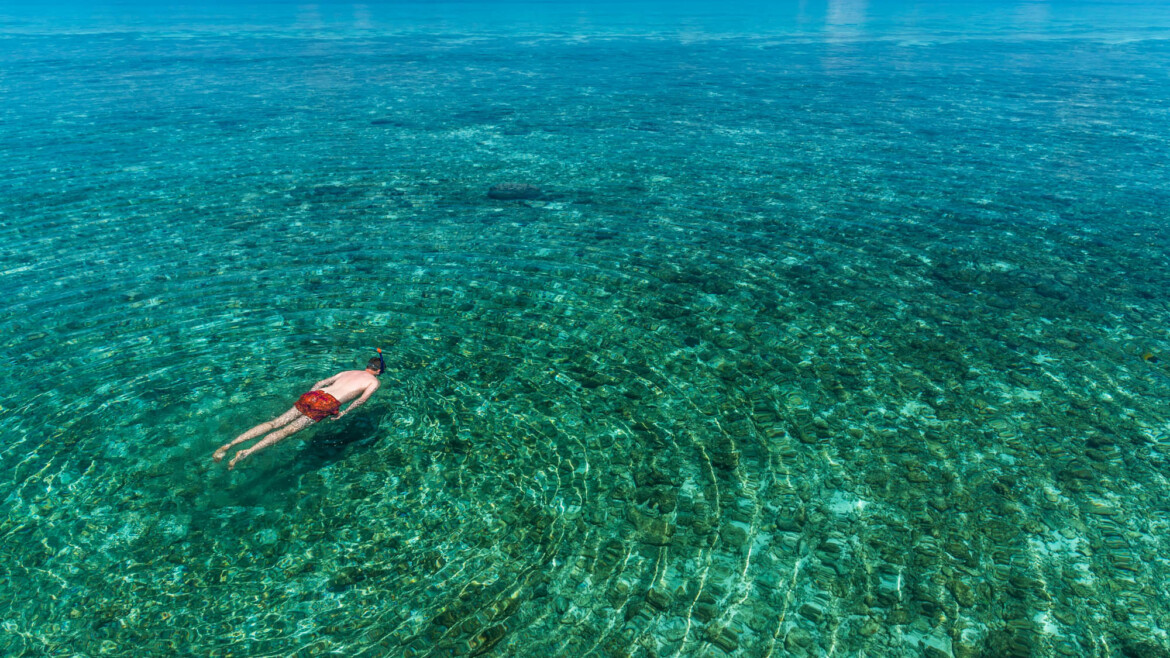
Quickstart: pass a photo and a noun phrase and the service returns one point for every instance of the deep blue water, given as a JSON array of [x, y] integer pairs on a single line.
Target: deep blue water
[[834, 328]]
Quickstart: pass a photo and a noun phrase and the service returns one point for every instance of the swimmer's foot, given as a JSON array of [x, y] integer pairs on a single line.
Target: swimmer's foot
[[219, 454], [239, 455]]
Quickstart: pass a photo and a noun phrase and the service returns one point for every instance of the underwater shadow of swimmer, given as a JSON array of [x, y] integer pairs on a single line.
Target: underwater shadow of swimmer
[[329, 443]]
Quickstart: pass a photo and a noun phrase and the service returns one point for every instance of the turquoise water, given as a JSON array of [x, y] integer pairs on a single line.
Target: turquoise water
[[836, 329]]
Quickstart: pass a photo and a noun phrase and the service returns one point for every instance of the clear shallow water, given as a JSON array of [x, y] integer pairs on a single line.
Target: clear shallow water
[[814, 345]]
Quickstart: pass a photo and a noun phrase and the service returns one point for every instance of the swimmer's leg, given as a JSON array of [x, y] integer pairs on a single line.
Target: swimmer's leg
[[280, 421], [279, 435]]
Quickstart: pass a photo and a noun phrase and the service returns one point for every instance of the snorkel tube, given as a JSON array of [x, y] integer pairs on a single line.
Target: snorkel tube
[[381, 361]]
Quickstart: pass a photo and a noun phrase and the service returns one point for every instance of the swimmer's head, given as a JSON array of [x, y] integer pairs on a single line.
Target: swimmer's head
[[376, 365]]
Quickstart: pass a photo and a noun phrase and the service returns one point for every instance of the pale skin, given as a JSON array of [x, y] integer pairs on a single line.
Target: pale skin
[[356, 385]]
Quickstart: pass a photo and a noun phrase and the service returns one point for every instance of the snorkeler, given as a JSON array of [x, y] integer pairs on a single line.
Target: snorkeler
[[325, 399]]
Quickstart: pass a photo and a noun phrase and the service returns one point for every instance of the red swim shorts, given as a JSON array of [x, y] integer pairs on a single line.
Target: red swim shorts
[[318, 404]]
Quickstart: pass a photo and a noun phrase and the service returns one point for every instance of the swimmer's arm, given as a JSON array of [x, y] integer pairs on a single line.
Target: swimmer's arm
[[358, 402], [325, 382]]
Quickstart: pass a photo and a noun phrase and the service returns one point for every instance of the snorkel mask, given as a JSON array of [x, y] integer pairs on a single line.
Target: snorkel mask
[[381, 361]]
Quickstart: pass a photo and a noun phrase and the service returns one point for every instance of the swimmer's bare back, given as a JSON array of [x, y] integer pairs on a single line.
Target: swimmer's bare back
[[323, 400], [347, 385]]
